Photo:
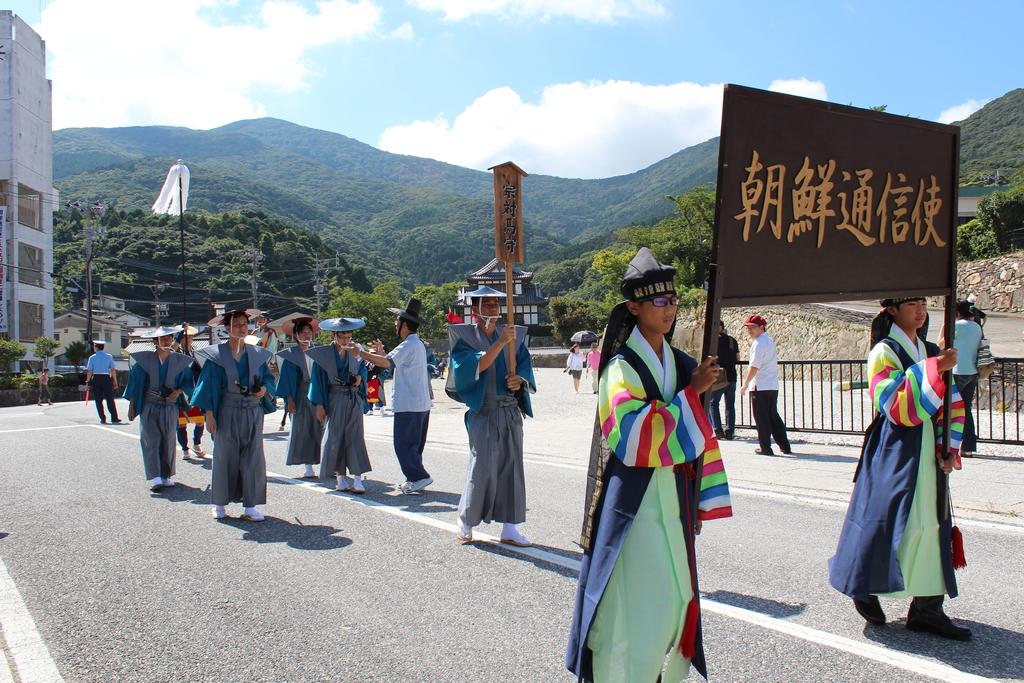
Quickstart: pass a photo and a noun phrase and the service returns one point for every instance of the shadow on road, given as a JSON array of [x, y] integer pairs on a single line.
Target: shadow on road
[[994, 652], [813, 457], [295, 535], [3, 535], [511, 553], [775, 608], [183, 493]]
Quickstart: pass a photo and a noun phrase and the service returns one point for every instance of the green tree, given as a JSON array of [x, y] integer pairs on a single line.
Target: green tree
[[1003, 214], [44, 349], [436, 299], [569, 316], [975, 240], [683, 239], [76, 353], [371, 307], [10, 353]]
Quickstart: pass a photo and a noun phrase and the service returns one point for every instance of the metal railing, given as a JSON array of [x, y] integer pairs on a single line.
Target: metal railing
[[833, 397]]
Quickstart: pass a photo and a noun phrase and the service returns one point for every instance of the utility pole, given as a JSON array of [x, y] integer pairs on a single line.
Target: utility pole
[[159, 309], [320, 269], [93, 233], [257, 257]]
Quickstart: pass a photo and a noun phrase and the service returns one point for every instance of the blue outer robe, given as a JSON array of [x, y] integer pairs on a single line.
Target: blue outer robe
[[621, 495], [865, 561]]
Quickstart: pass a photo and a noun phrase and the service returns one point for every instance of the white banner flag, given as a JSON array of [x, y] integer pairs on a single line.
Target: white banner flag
[[168, 202]]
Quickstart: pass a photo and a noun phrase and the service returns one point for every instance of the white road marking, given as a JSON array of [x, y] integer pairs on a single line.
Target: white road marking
[[895, 659], [6, 675], [31, 657], [40, 429]]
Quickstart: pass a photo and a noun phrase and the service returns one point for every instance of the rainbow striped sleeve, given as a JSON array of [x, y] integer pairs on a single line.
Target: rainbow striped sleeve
[[645, 433], [714, 502], [906, 397], [957, 417]]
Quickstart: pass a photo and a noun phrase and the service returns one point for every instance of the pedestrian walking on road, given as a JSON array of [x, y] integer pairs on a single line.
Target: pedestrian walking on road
[[236, 389], [763, 382], [967, 338], [101, 377], [497, 400], [594, 365], [411, 395], [574, 366], [728, 355], [156, 380], [893, 543], [44, 387], [337, 391], [637, 615], [293, 386]]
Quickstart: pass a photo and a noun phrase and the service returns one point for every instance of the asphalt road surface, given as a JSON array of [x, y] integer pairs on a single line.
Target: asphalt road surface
[[103, 581]]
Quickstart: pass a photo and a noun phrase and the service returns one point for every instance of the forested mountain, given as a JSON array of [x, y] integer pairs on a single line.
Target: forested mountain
[[417, 219]]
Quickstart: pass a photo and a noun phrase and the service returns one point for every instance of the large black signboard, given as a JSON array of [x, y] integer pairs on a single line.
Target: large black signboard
[[822, 202]]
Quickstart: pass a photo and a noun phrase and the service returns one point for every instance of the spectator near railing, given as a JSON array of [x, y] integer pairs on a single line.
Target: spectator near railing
[[831, 397]]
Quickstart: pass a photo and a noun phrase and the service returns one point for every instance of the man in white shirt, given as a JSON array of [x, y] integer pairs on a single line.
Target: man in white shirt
[[410, 398], [763, 381]]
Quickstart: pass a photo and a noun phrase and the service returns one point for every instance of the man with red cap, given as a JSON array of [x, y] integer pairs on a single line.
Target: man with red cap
[[763, 382]]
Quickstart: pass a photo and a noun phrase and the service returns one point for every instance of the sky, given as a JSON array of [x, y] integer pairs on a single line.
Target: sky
[[574, 88]]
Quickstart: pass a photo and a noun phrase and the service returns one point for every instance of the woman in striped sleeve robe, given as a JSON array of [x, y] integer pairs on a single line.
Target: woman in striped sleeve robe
[[896, 540], [637, 615]]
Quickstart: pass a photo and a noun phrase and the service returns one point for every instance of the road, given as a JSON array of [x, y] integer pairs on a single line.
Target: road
[[104, 581]]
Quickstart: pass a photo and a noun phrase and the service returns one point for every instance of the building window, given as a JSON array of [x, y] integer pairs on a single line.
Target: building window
[[30, 265], [28, 207], [30, 321], [519, 288]]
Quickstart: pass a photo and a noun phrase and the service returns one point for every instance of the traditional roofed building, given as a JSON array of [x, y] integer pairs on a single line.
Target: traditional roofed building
[[527, 299]]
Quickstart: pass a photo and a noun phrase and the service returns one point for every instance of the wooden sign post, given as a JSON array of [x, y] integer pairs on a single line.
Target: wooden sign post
[[508, 233]]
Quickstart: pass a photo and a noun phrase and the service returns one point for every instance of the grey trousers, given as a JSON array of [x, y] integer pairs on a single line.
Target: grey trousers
[[344, 447], [495, 484], [239, 466], [158, 430]]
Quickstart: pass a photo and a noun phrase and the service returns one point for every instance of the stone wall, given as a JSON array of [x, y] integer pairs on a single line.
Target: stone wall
[[997, 284], [801, 332], [27, 397]]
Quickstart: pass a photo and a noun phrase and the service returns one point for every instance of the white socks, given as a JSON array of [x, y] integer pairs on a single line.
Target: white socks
[[309, 471], [218, 512], [254, 514]]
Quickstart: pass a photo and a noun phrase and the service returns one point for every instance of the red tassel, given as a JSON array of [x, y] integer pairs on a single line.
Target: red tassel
[[959, 559], [688, 643]]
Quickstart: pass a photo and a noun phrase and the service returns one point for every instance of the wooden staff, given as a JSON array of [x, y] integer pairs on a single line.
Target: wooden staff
[[510, 315]]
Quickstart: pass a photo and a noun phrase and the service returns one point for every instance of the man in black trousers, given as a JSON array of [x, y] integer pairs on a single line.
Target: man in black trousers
[[101, 377], [763, 380]]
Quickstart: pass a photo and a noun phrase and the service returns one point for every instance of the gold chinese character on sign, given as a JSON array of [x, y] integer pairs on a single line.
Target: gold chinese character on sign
[[811, 199], [771, 190], [858, 220], [898, 223], [931, 207]]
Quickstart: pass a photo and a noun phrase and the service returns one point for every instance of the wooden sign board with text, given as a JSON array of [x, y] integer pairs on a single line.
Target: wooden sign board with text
[[823, 202], [509, 245]]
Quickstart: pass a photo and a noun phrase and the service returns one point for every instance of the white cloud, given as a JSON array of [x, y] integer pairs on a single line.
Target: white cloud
[[403, 32], [604, 11], [127, 62], [800, 87], [588, 130], [961, 111]]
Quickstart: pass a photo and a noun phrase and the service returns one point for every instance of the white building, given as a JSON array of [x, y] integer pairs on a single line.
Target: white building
[[26, 183]]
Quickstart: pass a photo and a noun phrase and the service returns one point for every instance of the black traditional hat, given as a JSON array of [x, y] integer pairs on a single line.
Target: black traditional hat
[[646, 278], [411, 312]]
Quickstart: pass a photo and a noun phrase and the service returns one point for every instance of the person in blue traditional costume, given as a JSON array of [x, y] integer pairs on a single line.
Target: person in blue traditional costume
[[293, 386], [411, 395], [637, 614], [497, 400], [156, 381], [337, 391], [897, 539], [235, 390]]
